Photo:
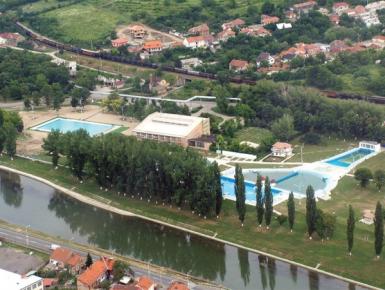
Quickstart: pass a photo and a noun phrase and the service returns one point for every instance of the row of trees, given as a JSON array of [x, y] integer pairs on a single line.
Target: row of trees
[[149, 170], [364, 176]]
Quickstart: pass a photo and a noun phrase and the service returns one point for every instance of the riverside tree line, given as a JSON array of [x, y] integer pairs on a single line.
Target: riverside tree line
[[164, 172]]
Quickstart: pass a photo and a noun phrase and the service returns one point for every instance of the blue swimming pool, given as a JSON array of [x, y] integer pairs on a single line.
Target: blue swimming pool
[[70, 125], [228, 189], [345, 160]]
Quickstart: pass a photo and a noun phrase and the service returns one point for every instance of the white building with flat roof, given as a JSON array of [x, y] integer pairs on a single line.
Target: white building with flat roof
[[371, 145], [13, 281], [172, 128]]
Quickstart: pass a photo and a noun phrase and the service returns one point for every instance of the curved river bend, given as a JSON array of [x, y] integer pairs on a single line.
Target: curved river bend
[[24, 201]]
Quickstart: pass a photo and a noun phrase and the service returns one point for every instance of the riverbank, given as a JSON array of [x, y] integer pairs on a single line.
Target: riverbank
[[278, 242]]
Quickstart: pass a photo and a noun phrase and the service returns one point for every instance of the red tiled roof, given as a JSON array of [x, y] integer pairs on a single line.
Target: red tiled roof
[[281, 145], [145, 283], [48, 282], [178, 286], [238, 63], [200, 28], [305, 4], [267, 19], [74, 260], [120, 41], [61, 255], [379, 37], [235, 22], [8, 35], [124, 287], [152, 44], [359, 9], [340, 4], [95, 271], [199, 38]]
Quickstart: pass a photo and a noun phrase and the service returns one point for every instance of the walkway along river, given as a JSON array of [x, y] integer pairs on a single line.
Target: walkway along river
[[28, 202]]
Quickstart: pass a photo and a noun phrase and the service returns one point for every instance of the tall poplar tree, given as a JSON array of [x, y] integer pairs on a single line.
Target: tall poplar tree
[[291, 211], [239, 189], [378, 229], [350, 224], [259, 200], [268, 202], [311, 211], [217, 189]]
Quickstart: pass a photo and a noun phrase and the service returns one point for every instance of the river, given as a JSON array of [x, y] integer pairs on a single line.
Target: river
[[27, 202]]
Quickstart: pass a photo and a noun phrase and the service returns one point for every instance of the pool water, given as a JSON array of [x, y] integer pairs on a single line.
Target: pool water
[[228, 189], [347, 159], [71, 125]]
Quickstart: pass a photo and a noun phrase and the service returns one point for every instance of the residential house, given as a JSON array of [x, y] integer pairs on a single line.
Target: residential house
[[145, 283], [338, 46], [153, 46], [198, 41], [340, 8], [304, 7], [374, 6], [281, 149], [95, 274], [256, 30], [202, 30], [236, 23], [119, 42], [177, 285], [335, 19], [225, 35], [191, 63], [283, 25], [238, 65], [11, 39], [65, 258], [137, 31], [2, 41], [265, 57], [49, 282], [291, 16], [267, 19], [371, 145], [379, 40]]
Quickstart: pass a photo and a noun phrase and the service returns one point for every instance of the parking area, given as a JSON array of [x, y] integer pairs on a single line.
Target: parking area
[[17, 261]]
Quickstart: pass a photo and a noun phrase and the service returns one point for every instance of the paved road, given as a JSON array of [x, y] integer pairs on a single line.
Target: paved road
[[24, 239]]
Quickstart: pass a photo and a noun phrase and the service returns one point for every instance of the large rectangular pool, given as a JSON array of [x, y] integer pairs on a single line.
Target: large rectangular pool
[[347, 159], [71, 125]]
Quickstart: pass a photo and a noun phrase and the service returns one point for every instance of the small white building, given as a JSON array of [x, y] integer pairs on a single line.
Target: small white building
[[371, 145], [13, 281], [281, 149]]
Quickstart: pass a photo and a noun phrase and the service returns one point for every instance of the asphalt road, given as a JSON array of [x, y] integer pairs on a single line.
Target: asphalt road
[[22, 238]]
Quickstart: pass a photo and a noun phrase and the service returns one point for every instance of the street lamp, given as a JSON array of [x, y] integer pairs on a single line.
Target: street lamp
[[26, 234]]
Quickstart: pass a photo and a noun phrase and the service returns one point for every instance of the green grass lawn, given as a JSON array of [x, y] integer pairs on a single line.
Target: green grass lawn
[[278, 240], [252, 134], [327, 148]]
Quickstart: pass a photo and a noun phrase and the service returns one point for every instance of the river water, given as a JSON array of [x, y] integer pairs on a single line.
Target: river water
[[24, 201]]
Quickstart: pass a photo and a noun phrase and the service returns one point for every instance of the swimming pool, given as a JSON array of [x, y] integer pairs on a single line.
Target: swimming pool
[[347, 158], [70, 125]]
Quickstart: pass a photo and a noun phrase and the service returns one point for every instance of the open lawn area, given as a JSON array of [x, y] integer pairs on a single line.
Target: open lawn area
[[327, 148], [332, 255], [252, 134]]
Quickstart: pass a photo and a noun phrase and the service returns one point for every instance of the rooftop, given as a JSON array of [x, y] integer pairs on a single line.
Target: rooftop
[[178, 286], [95, 271], [168, 124], [12, 281], [145, 283], [281, 145], [61, 255]]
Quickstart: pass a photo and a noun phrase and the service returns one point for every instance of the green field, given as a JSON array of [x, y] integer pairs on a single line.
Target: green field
[[332, 254], [252, 134], [95, 20]]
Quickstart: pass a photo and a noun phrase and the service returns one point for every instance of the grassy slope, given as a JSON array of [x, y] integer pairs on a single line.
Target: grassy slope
[[93, 20], [278, 241]]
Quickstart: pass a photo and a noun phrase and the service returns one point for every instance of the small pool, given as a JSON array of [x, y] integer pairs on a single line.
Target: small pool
[[70, 125], [345, 160]]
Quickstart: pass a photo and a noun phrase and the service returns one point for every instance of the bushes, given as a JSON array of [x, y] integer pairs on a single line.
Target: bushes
[[363, 175]]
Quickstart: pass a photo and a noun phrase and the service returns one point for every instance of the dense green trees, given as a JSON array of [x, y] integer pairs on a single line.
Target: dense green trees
[[268, 196], [283, 128], [350, 225], [52, 144], [239, 190], [149, 170], [217, 188], [379, 178], [378, 230], [311, 211], [259, 200], [291, 210], [363, 175], [30, 76]]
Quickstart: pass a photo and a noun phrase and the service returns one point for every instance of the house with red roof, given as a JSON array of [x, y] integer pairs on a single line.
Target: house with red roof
[[379, 40], [119, 42], [335, 19], [177, 285], [153, 46], [236, 23], [256, 30], [304, 7], [202, 30], [340, 7], [281, 149], [225, 35], [65, 258], [238, 65], [198, 41], [99, 271], [267, 19], [145, 283]]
